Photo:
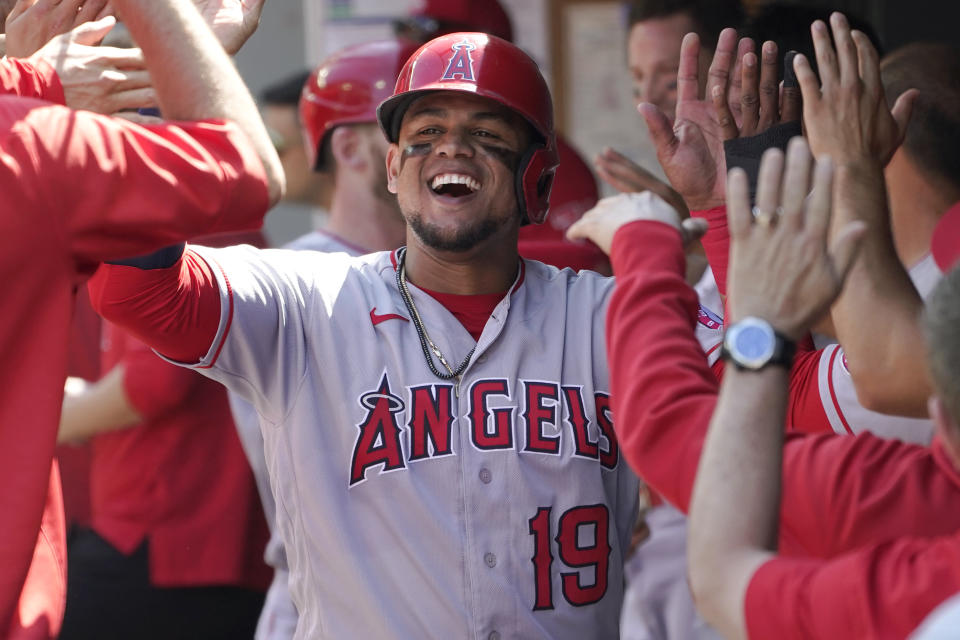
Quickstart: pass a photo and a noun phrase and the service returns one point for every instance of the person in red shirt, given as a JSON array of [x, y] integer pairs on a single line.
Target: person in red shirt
[[81, 188], [694, 159], [867, 527], [178, 551], [842, 496]]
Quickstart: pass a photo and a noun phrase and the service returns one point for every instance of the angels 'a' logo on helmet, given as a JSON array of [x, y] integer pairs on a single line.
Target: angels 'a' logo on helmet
[[461, 64]]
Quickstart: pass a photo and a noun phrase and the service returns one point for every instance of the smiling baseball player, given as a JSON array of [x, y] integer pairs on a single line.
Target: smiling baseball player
[[436, 419]]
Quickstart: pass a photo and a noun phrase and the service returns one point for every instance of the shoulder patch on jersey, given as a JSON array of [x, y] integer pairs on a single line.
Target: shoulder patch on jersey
[[709, 319]]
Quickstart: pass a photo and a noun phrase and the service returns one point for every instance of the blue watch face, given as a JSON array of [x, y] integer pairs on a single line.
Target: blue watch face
[[753, 343]]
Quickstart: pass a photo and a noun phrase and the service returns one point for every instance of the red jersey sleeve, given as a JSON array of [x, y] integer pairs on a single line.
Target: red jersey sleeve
[[716, 243], [845, 492], [884, 591], [662, 390], [839, 493], [804, 408], [175, 310], [23, 79], [132, 189]]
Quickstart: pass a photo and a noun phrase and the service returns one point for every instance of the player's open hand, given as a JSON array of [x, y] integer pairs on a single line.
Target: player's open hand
[[33, 23], [691, 153], [762, 102], [602, 222], [781, 269], [626, 176], [232, 21], [846, 113], [101, 79]]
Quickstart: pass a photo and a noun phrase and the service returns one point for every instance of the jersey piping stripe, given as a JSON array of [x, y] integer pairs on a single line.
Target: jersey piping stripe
[[226, 329], [712, 352], [833, 393]]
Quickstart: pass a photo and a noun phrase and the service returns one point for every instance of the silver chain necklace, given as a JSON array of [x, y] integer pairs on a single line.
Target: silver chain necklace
[[425, 342]]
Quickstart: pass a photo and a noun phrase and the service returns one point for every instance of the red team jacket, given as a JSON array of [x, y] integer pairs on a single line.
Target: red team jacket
[[79, 188], [868, 526], [179, 478]]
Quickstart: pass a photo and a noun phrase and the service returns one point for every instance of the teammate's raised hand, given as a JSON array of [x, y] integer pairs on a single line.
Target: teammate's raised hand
[[33, 23], [94, 78], [232, 21], [626, 176], [781, 268], [602, 222], [762, 103], [691, 153], [846, 113]]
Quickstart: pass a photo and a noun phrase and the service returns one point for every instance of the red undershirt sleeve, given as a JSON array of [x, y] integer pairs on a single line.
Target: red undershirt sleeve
[[805, 408], [175, 311], [716, 243], [663, 391]]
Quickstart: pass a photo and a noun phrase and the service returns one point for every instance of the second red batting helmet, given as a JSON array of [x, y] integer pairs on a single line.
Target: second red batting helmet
[[489, 67], [436, 17], [346, 89]]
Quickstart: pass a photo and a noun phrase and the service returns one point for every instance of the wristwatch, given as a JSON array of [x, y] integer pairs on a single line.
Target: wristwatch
[[753, 344]]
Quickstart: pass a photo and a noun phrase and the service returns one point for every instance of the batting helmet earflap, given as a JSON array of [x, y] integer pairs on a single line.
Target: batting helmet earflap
[[489, 67], [346, 89]]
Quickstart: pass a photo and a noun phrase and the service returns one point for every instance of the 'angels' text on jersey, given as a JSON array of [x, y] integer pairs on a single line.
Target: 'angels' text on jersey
[[547, 407]]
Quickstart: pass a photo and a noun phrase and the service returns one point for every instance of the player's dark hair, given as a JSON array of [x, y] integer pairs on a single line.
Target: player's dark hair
[[710, 16], [933, 137], [286, 92]]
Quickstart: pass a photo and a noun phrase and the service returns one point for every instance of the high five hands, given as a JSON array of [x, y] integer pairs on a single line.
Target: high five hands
[[845, 112]]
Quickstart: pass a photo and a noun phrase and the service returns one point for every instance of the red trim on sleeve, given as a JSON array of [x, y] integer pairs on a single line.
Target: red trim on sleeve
[[833, 393], [712, 349], [226, 329]]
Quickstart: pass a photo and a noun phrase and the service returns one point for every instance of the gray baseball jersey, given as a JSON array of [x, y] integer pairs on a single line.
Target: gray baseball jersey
[[278, 618], [417, 507]]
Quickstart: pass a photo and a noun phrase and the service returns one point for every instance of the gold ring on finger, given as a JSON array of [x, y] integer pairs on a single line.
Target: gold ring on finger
[[765, 219]]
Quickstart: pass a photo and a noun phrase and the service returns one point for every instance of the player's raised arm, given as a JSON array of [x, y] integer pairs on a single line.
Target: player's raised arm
[[782, 278], [847, 118], [193, 77]]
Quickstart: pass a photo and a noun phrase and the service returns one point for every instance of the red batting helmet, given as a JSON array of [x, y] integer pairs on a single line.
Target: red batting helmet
[[489, 67], [437, 17], [347, 87]]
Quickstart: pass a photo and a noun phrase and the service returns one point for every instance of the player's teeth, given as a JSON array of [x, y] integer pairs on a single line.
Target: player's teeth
[[448, 178]]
